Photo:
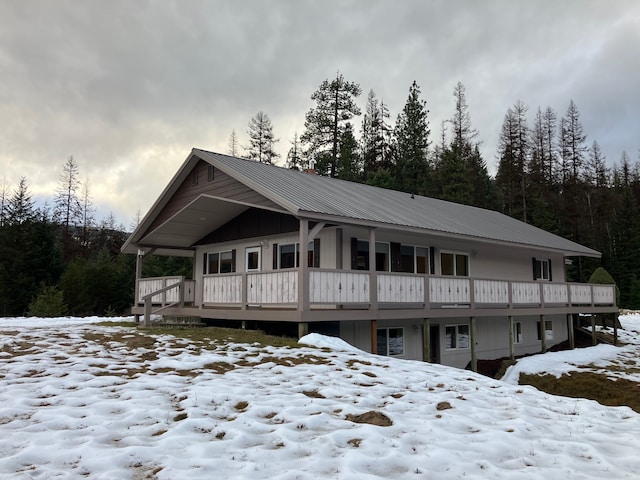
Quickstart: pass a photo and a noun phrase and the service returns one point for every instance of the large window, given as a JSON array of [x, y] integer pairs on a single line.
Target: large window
[[361, 258], [413, 259], [541, 269], [454, 264], [289, 255], [220, 262], [456, 337], [390, 341]]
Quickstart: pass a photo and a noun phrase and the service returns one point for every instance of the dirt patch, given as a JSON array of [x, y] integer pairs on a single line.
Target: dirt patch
[[372, 418]]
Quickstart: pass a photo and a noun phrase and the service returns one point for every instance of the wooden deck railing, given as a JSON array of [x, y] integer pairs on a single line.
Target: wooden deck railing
[[347, 287]]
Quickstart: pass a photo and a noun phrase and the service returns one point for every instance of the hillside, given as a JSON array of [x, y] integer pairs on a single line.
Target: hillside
[[80, 399]]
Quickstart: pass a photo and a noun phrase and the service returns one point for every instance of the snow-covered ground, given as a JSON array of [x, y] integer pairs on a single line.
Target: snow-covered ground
[[79, 400]]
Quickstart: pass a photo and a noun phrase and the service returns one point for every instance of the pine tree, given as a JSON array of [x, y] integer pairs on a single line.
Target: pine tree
[[325, 122], [513, 155], [20, 207], [412, 145], [4, 201], [261, 139], [68, 209], [234, 147], [462, 172], [573, 148], [295, 158], [374, 136], [349, 163]]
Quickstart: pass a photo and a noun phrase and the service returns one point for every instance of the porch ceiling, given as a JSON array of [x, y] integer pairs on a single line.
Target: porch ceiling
[[202, 216]]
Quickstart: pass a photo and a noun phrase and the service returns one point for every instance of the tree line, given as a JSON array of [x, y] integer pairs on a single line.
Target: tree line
[[63, 260], [60, 260], [548, 174]]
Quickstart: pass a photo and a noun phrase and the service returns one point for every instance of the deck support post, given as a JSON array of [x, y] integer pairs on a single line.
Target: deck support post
[[303, 267], [615, 330], [426, 340], [594, 336], [570, 332], [373, 276], [543, 335], [303, 329], [472, 340], [512, 355], [374, 336]]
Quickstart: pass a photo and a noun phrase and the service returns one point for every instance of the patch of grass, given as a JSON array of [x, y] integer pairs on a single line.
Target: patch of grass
[[209, 336], [372, 418], [219, 367], [588, 385], [313, 394], [241, 406], [180, 417], [117, 324], [355, 442]]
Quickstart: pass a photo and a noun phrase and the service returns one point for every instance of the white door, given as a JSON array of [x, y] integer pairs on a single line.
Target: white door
[[252, 259]]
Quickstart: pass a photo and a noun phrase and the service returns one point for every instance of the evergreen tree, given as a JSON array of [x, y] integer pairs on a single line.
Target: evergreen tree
[[234, 147], [20, 207], [325, 122], [411, 136], [462, 173], [573, 148], [349, 163], [374, 136], [68, 209], [261, 139], [295, 158], [513, 155]]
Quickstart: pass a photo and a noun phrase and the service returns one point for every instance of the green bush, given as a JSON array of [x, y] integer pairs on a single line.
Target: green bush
[[601, 277], [49, 302]]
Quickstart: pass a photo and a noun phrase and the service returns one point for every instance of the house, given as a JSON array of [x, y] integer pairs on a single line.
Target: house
[[389, 272]]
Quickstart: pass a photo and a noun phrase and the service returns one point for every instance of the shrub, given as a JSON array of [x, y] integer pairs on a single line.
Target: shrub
[[49, 302]]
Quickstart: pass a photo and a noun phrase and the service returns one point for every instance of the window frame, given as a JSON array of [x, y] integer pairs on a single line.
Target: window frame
[[548, 330], [517, 332], [542, 269], [457, 337], [387, 336], [455, 255], [228, 261], [247, 252], [296, 254]]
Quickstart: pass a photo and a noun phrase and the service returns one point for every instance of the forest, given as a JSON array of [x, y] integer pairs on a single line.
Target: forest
[[60, 260]]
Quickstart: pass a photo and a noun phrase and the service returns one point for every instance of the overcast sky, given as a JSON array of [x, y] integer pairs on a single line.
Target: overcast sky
[[129, 87]]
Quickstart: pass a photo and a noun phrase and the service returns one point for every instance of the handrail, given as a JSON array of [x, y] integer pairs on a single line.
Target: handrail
[[147, 300]]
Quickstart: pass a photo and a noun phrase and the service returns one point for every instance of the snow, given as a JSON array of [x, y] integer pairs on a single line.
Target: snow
[[80, 400]]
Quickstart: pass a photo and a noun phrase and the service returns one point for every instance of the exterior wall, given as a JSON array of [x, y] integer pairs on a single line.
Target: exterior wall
[[485, 260], [492, 337]]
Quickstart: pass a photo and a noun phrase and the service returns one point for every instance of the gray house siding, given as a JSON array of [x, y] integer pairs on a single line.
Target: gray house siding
[[492, 337]]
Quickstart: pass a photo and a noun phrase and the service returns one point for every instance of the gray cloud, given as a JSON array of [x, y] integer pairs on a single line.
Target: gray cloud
[[129, 87]]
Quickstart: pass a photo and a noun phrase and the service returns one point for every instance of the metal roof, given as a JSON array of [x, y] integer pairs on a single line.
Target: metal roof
[[316, 197]]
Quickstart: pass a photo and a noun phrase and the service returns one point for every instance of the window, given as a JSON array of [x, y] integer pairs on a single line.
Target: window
[[253, 259], [194, 177], [382, 257], [362, 255], [289, 255], [422, 260], [454, 264], [220, 262], [390, 341], [456, 337], [361, 259], [210, 173], [548, 330], [517, 332], [541, 269]]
